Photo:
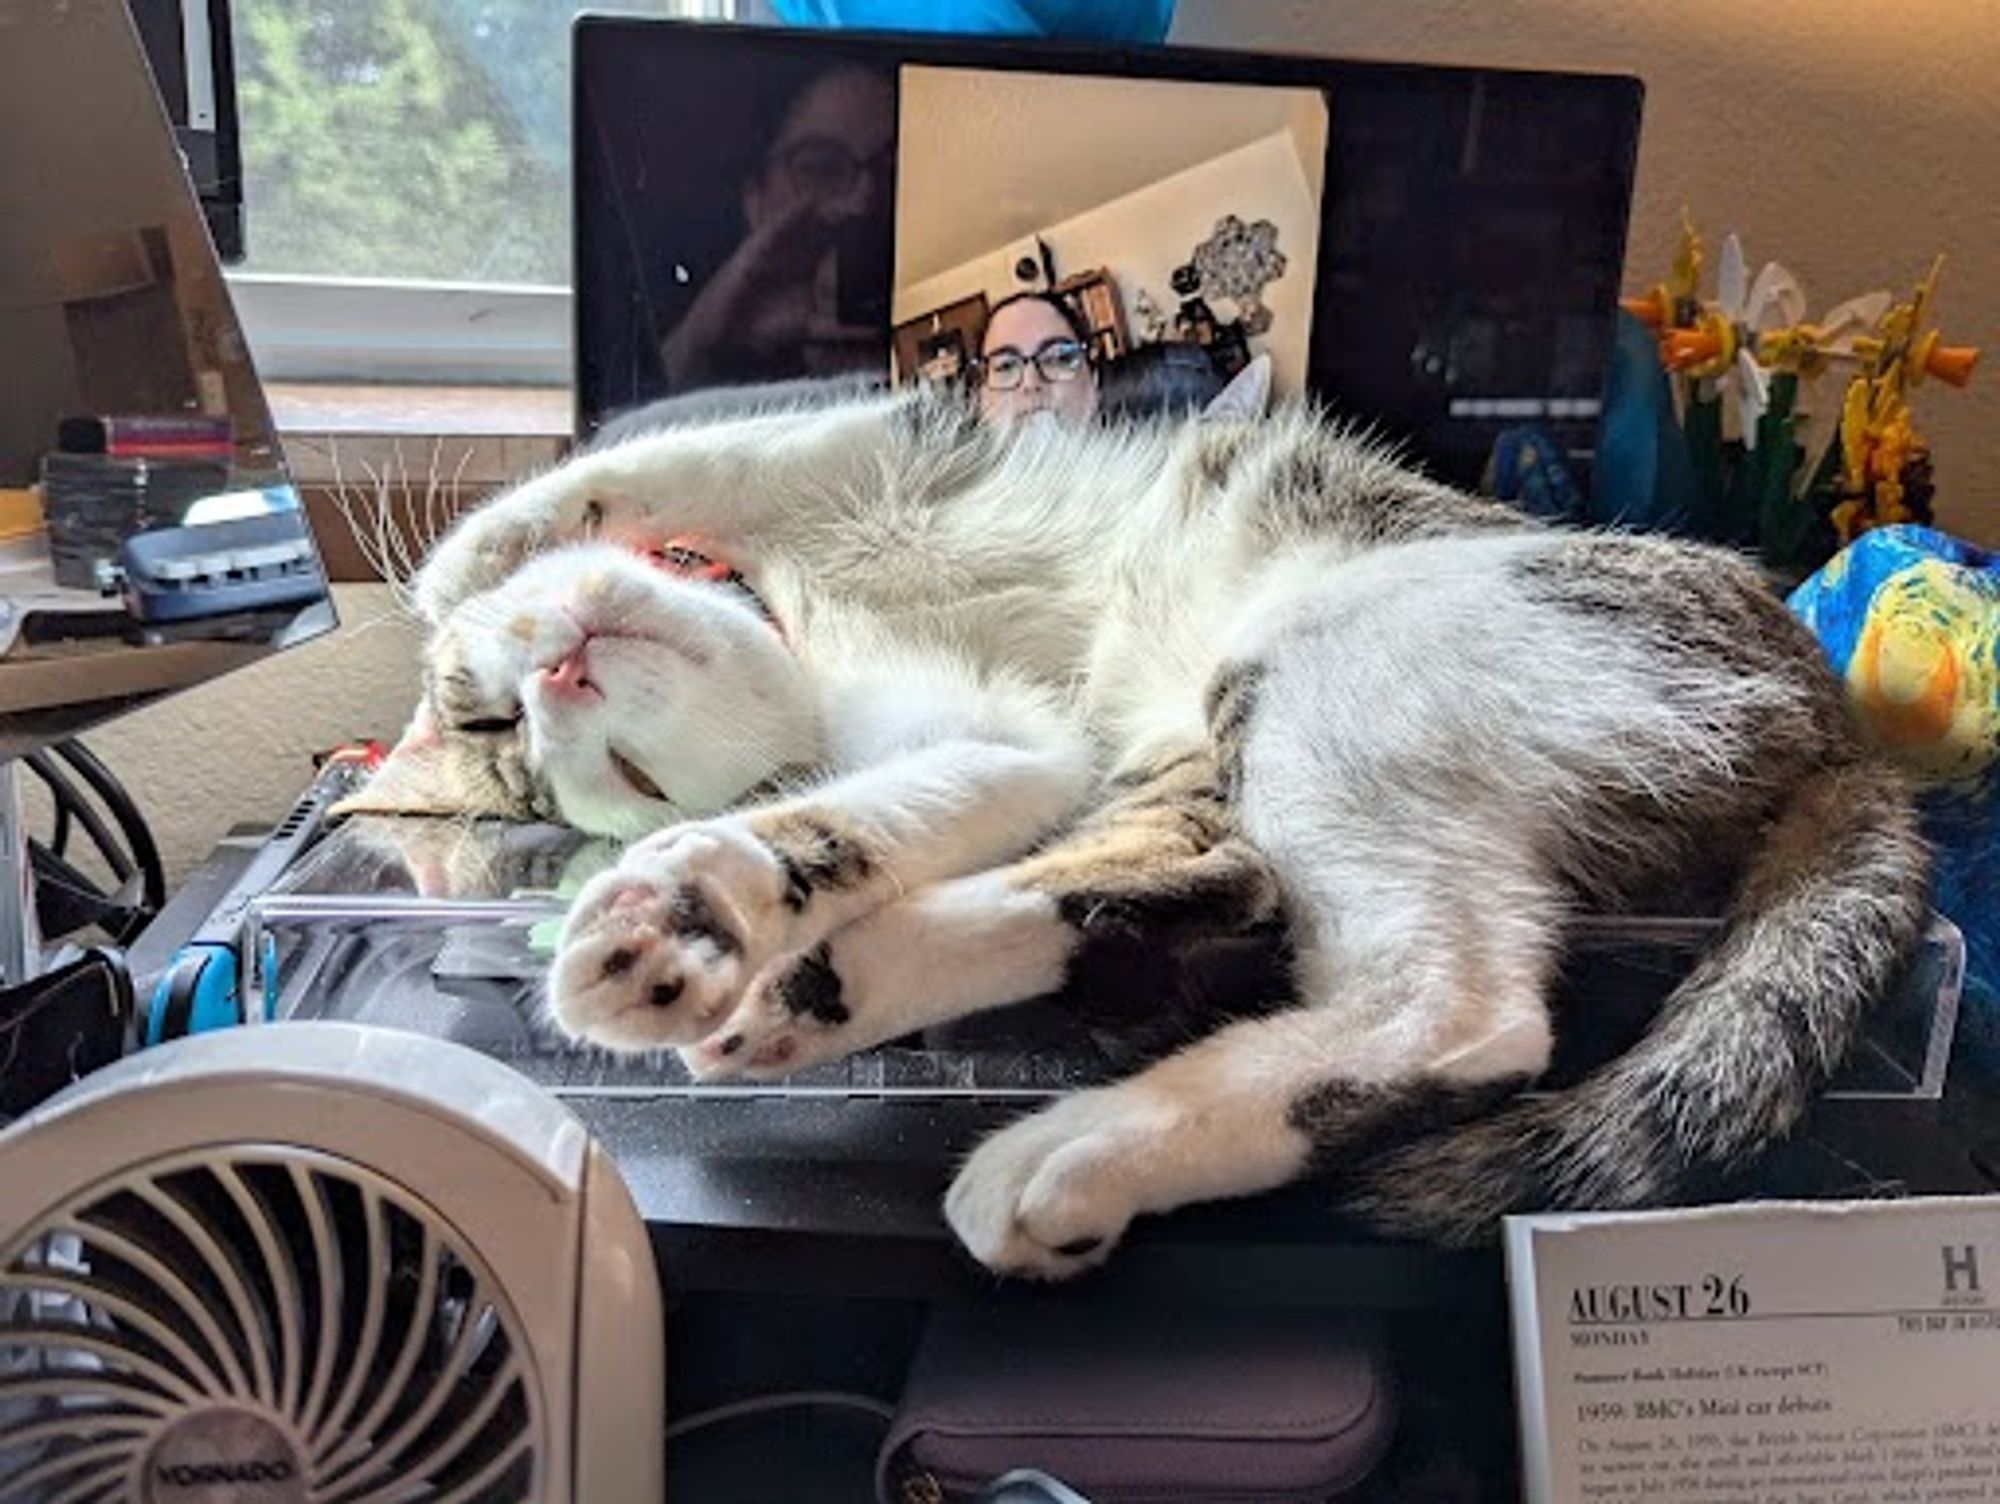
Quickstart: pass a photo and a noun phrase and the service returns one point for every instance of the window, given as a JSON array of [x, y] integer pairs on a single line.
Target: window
[[396, 142]]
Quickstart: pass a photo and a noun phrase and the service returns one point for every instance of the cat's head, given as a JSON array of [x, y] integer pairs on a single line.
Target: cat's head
[[609, 687]]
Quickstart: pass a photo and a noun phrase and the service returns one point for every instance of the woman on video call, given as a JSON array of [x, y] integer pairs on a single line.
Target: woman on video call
[[1035, 358]]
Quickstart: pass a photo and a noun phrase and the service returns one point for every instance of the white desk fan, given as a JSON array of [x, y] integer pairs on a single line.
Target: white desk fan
[[317, 1263]]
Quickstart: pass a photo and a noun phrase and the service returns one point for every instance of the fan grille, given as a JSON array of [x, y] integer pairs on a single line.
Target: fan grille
[[275, 1322]]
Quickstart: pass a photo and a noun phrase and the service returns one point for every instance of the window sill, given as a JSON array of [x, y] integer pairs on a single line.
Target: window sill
[[374, 331], [382, 468], [514, 412]]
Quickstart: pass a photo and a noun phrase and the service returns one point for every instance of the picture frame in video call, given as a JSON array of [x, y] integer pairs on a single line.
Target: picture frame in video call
[[1434, 250], [150, 534]]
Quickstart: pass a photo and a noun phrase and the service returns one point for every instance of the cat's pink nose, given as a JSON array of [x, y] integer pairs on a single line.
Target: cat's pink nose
[[570, 674]]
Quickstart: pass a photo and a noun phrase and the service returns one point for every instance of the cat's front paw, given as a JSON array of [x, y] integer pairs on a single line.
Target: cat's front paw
[[656, 951], [484, 547], [1050, 1196], [794, 1015]]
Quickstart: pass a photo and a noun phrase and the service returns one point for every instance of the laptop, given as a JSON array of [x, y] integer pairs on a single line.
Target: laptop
[[446, 927], [150, 535]]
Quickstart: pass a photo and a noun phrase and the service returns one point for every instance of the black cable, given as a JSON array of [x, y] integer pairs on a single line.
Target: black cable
[[138, 834], [67, 795], [69, 901]]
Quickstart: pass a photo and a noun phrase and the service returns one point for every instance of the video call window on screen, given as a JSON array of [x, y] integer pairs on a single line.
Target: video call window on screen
[[1436, 250], [1176, 219]]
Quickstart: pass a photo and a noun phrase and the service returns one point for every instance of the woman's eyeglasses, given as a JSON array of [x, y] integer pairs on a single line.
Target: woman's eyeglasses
[[1054, 360], [824, 170]]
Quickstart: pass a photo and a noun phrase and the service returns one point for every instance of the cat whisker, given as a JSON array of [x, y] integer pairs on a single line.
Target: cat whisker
[[427, 519], [393, 532], [377, 493], [367, 514], [459, 489], [436, 523]]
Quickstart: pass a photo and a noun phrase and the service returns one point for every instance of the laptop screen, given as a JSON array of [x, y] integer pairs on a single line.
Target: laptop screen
[[1435, 250]]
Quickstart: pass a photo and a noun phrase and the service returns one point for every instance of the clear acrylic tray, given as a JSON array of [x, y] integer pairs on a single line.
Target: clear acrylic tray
[[444, 928]]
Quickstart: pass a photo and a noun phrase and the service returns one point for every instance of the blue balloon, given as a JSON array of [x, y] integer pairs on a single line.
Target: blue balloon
[[1088, 20]]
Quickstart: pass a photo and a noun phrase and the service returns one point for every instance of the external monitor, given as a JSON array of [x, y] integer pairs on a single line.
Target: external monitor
[[1434, 250]]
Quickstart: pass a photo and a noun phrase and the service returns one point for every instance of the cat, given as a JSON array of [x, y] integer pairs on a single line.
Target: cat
[[907, 718]]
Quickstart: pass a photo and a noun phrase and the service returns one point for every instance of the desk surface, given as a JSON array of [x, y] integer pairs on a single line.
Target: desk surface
[[821, 1196]]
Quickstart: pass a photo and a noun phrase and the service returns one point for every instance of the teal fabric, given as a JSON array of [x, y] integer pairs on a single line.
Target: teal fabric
[[1088, 20], [1642, 478]]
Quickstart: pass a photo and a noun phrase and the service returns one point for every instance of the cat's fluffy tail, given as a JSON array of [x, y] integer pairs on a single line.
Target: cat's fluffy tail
[[1828, 911]]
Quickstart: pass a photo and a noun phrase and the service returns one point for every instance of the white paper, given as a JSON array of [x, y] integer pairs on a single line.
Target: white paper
[[1821, 1353]]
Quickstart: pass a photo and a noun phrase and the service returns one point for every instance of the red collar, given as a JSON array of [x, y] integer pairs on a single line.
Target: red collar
[[696, 559]]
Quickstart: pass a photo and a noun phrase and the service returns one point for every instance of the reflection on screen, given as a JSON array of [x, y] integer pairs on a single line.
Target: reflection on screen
[[753, 220], [149, 534]]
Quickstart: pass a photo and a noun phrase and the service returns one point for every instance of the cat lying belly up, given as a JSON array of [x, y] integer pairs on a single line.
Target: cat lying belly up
[[905, 722]]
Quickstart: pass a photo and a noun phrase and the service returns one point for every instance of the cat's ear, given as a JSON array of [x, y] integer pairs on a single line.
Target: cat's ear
[[414, 779], [1247, 396]]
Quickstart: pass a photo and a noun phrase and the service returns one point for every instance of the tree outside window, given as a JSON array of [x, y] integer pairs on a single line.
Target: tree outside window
[[411, 139]]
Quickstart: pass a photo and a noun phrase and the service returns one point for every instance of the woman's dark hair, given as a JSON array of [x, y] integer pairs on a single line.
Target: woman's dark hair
[[1060, 305], [765, 97]]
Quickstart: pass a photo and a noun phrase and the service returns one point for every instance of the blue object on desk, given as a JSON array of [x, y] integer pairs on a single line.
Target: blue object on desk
[[1527, 471], [260, 563], [200, 992], [1642, 478], [203, 988], [1086, 20], [1910, 619]]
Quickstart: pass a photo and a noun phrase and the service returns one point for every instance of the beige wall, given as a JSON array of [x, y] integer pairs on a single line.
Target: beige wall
[[1850, 139], [240, 748]]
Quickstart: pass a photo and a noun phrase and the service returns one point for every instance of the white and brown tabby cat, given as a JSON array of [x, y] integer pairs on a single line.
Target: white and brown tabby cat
[[994, 707]]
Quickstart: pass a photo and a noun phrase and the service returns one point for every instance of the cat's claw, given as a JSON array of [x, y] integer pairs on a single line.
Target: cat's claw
[[656, 951], [1050, 1196]]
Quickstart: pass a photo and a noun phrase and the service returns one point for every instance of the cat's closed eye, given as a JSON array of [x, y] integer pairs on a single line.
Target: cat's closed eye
[[635, 777], [490, 725]]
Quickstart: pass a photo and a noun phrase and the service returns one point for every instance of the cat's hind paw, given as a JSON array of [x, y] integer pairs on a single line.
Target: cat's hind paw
[[1047, 1197]]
